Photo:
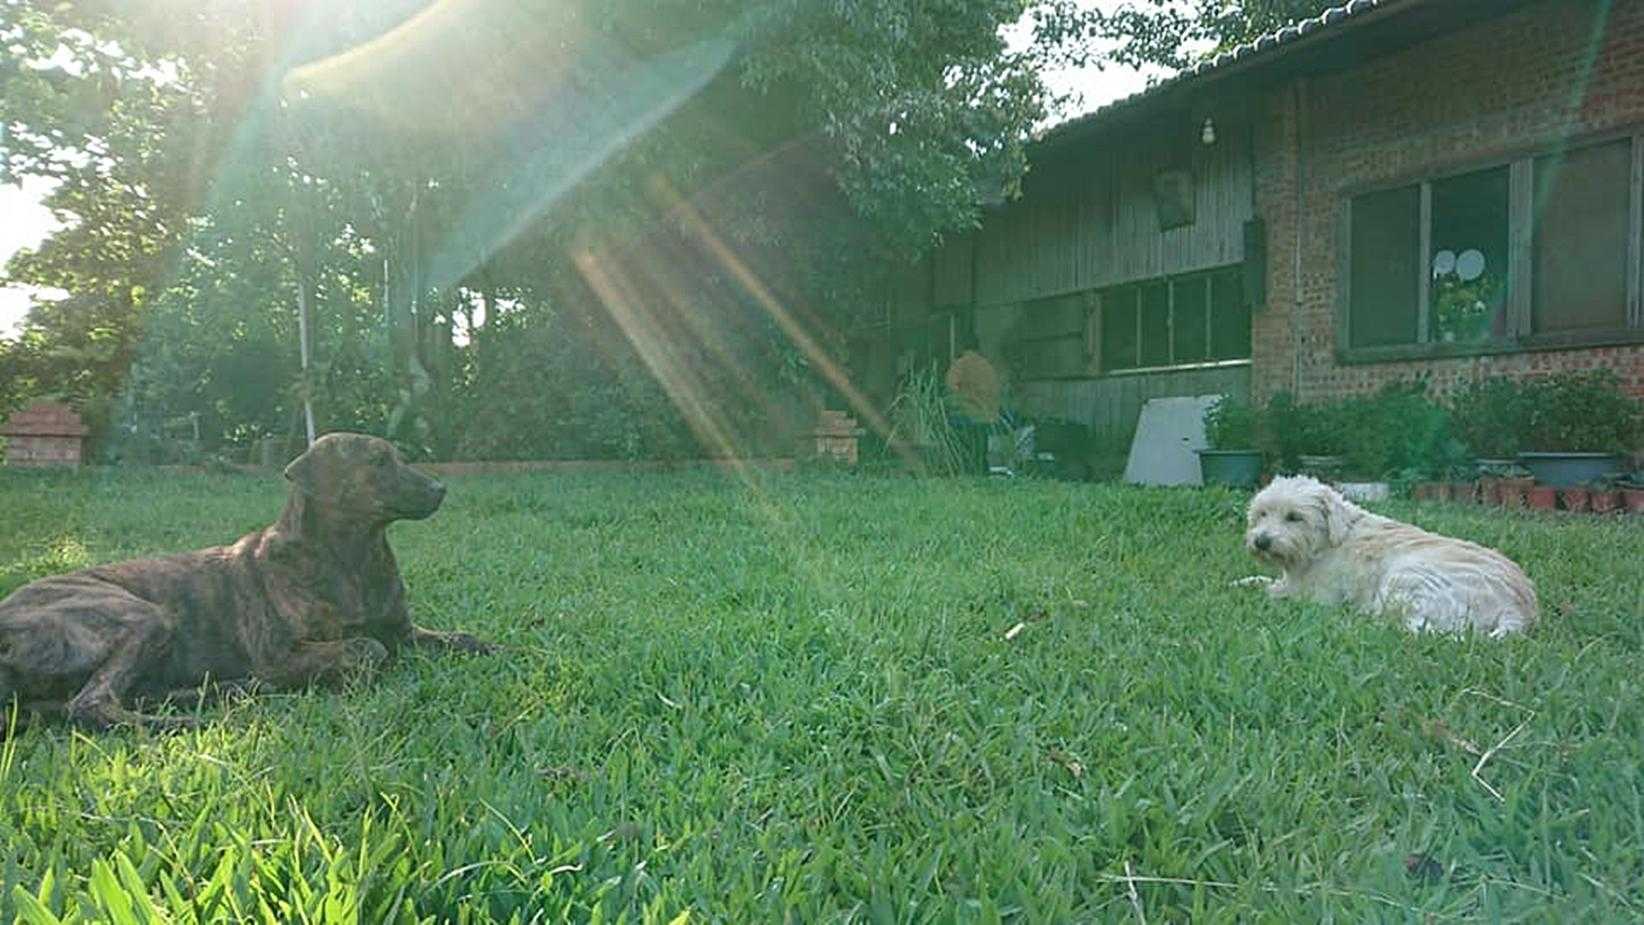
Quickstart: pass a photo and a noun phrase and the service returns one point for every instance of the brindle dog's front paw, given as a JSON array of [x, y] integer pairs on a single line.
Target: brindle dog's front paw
[[363, 654]]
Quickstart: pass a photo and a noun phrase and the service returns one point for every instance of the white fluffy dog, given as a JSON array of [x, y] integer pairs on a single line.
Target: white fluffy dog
[[1335, 552]]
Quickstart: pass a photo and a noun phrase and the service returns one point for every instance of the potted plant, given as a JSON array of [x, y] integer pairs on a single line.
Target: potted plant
[[1231, 428], [1632, 492], [1541, 497], [1577, 426], [1322, 439], [1423, 488], [1463, 486], [922, 427], [1487, 415], [1605, 496], [1463, 309]]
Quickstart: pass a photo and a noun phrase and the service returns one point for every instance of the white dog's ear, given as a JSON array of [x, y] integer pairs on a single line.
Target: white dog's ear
[[1339, 517]]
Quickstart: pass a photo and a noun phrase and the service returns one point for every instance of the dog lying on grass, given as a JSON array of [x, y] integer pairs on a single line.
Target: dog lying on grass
[[1334, 552], [314, 599]]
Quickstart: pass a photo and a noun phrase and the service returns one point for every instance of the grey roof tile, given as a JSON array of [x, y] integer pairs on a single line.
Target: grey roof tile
[[1334, 17]]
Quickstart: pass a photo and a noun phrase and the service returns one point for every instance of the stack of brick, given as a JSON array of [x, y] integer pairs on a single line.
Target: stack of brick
[[836, 434], [42, 435]]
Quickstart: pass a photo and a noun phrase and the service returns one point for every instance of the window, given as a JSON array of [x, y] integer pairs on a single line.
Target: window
[[1119, 338], [1048, 340], [1386, 265], [1467, 292], [1581, 217], [1179, 321], [1536, 251]]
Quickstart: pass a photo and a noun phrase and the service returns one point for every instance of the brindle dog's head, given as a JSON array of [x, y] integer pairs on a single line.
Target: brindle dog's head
[[364, 476]]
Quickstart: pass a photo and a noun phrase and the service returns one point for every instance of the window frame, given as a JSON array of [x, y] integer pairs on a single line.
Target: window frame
[[1086, 302], [1206, 277], [1520, 337]]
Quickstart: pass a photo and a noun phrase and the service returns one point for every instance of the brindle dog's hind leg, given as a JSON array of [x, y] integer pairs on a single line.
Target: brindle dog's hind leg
[[141, 649]]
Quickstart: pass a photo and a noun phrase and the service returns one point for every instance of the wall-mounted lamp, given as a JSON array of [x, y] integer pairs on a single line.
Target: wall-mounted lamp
[[1208, 133]]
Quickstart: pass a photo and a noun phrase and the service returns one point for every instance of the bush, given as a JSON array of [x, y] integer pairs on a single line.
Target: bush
[[1488, 417], [1398, 430], [1401, 431], [1294, 429], [1579, 412], [922, 422], [1230, 424]]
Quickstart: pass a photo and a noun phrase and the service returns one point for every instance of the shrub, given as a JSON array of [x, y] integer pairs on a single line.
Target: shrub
[[1583, 412], [1400, 430], [921, 422], [1230, 424], [1312, 429], [1396, 430], [1488, 416]]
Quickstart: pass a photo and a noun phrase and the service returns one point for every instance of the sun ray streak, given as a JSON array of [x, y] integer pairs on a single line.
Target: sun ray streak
[[795, 332], [647, 332]]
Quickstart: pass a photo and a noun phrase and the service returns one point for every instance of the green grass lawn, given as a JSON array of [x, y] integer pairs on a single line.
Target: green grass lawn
[[796, 702]]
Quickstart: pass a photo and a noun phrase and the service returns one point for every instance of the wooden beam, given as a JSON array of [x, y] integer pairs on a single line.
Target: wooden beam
[[1424, 277], [1635, 237], [1521, 196]]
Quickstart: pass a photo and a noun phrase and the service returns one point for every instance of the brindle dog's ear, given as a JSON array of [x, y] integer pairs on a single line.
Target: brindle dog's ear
[[301, 471]]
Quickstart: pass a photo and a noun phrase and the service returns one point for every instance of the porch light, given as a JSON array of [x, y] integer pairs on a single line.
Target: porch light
[[1208, 133]]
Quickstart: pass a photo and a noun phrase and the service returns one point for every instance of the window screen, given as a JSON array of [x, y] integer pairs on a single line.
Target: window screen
[[1385, 257], [1580, 275]]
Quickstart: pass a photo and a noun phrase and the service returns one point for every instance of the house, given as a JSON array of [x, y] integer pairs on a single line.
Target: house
[[1447, 189]]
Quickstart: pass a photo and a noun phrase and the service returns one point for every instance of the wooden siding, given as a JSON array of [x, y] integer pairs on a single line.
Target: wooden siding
[[1088, 220], [1113, 403], [952, 272], [909, 300]]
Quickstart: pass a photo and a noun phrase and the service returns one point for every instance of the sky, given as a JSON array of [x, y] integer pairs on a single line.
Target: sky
[[24, 222]]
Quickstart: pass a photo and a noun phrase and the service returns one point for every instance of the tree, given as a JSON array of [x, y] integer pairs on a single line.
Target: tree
[[300, 154], [1169, 34]]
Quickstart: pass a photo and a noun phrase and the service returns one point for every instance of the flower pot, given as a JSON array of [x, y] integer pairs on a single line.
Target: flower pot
[[1429, 491], [1606, 501], [1633, 500], [1238, 468], [1542, 498], [1363, 491], [1568, 470], [1489, 489], [1320, 466], [1513, 491], [1464, 492], [1575, 499]]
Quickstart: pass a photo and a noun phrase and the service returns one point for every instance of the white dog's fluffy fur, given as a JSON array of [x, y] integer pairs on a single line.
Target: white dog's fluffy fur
[[1334, 552]]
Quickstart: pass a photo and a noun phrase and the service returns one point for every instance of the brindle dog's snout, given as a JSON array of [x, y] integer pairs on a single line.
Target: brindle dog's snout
[[419, 495]]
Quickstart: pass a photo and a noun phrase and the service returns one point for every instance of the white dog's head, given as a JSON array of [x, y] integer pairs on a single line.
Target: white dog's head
[[1295, 518]]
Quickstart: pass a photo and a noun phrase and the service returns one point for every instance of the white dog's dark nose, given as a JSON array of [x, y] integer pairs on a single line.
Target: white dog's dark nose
[[1263, 542]]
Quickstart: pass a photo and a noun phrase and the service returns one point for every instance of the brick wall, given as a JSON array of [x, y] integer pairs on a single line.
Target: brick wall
[[1513, 82]]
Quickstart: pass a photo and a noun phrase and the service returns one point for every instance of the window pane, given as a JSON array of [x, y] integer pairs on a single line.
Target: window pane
[[1580, 270], [1188, 319], [1469, 286], [1229, 318], [1384, 261], [1156, 324], [1119, 329]]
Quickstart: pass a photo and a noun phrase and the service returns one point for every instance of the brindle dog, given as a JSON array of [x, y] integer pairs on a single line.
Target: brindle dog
[[316, 598]]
